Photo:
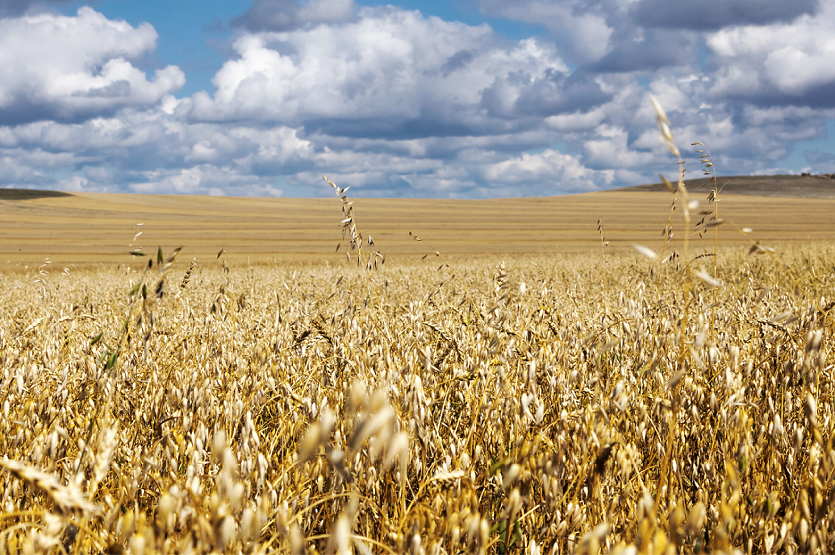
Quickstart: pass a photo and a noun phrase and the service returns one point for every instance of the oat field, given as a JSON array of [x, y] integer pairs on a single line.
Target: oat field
[[519, 404], [664, 397], [89, 229]]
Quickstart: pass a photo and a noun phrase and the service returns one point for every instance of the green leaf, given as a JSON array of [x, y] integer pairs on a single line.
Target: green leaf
[[111, 361], [135, 289], [96, 339], [159, 255], [517, 534], [497, 465], [500, 527], [138, 253]]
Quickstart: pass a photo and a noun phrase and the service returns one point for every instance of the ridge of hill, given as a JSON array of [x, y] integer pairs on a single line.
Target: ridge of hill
[[30, 194], [789, 186]]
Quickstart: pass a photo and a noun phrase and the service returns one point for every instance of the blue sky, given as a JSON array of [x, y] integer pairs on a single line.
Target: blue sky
[[456, 99]]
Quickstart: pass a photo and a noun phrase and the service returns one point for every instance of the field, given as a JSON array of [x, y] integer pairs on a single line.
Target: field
[[85, 229], [524, 388]]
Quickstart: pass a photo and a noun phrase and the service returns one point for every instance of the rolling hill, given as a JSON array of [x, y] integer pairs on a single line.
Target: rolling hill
[[786, 186]]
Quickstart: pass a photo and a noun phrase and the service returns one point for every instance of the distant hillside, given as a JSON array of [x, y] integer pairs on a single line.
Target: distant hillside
[[28, 194], [790, 186]]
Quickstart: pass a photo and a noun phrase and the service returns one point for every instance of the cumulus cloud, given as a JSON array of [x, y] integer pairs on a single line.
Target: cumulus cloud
[[782, 63], [11, 169], [398, 103], [151, 151], [392, 73], [581, 28], [205, 179], [70, 68], [572, 175], [554, 92], [611, 148]]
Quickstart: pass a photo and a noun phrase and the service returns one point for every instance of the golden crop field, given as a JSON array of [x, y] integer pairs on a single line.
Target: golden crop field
[[88, 228], [525, 390]]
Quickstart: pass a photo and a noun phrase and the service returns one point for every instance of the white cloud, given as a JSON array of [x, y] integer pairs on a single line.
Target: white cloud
[[784, 58], [399, 104], [581, 29], [11, 170], [339, 99], [390, 66], [611, 149], [203, 179], [54, 66], [754, 115], [566, 172], [576, 121], [149, 151], [75, 184]]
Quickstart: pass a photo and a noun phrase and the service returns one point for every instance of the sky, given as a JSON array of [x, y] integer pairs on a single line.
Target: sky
[[413, 99]]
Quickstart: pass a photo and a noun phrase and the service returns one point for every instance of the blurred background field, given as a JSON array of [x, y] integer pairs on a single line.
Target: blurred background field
[[91, 228]]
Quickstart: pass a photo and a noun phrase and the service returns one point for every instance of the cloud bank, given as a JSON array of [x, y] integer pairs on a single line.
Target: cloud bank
[[404, 104]]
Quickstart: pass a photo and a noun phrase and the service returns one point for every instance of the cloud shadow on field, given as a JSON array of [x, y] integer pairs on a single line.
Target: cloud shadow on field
[[30, 194]]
